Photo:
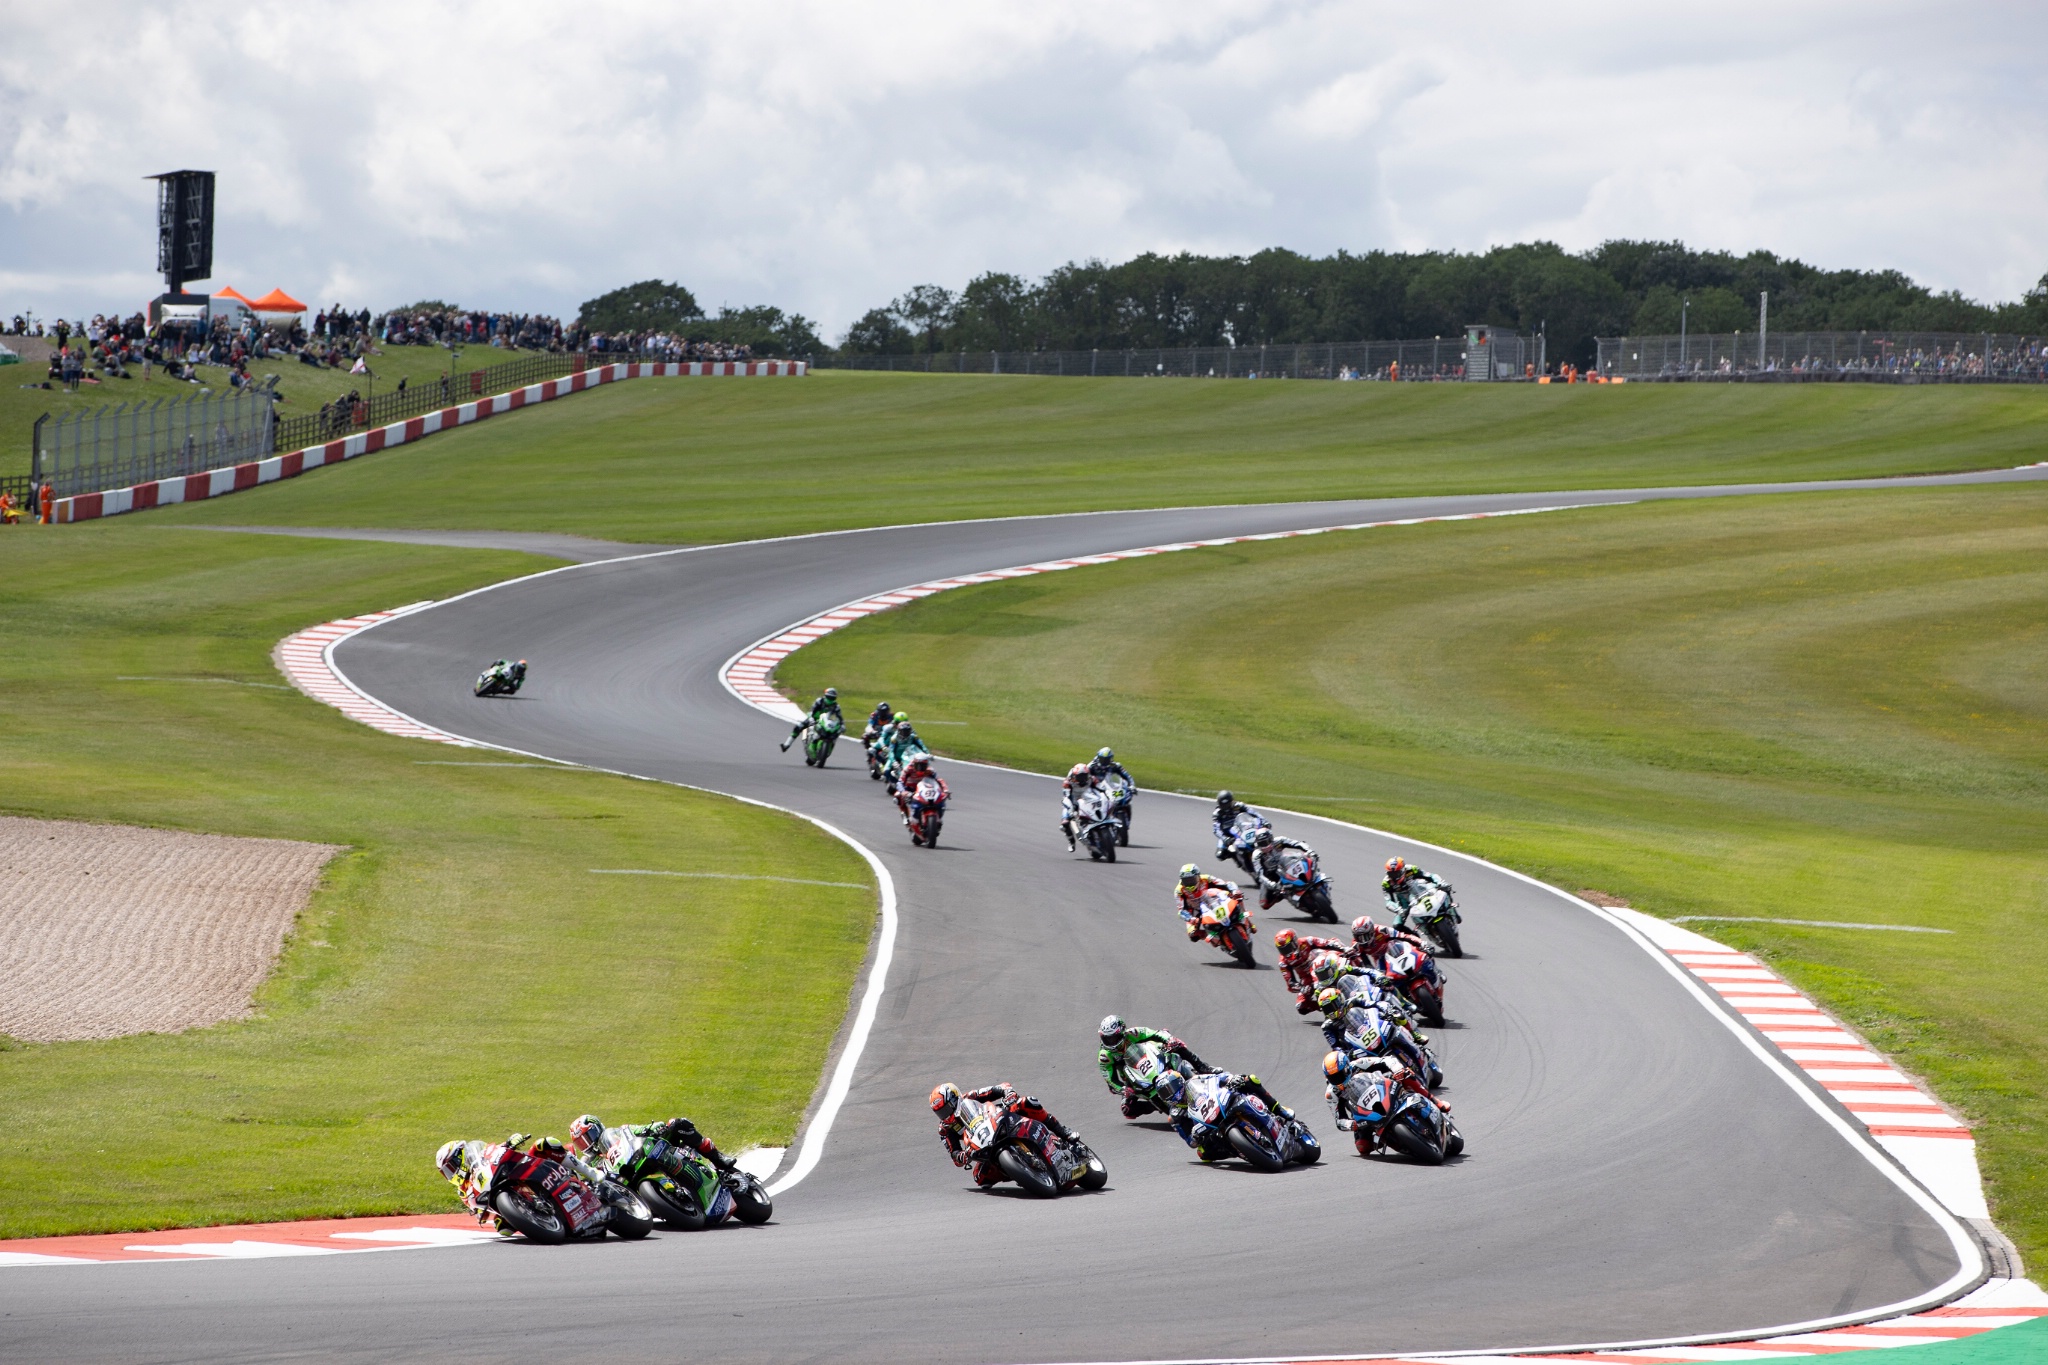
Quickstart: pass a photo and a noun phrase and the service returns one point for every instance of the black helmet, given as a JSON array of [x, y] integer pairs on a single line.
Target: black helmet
[[1224, 800], [1263, 839], [831, 694]]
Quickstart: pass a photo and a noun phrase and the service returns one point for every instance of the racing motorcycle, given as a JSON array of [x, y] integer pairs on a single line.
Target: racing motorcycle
[[1388, 1116], [1367, 1031], [501, 680], [1227, 923], [544, 1201], [1120, 791], [1241, 1125], [820, 736], [1094, 824], [924, 810], [1410, 971], [1026, 1151], [1363, 987], [892, 768], [1237, 843], [681, 1187], [878, 754], [1302, 882], [1434, 918]]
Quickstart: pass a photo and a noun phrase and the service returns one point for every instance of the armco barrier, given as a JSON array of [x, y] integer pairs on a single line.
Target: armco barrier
[[233, 479]]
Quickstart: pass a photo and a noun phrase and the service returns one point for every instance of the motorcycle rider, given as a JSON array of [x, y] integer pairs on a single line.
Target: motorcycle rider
[[1228, 808], [1405, 884], [916, 770], [1266, 850], [1080, 778], [1178, 1093], [828, 702], [946, 1098], [1104, 765], [513, 672], [1187, 896], [588, 1137], [880, 717], [468, 1166], [1297, 964], [1347, 1078], [1342, 1019], [900, 744], [1119, 1040]]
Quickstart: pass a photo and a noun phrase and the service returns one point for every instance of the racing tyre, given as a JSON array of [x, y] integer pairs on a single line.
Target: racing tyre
[[1241, 948], [531, 1215], [1029, 1172], [1254, 1149], [1315, 902], [671, 1204], [1446, 934], [1406, 1136], [1307, 1151], [1096, 1176], [751, 1204], [624, 1222]]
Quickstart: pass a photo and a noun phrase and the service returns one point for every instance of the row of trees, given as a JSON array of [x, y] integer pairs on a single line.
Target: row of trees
[[656, 306], [1619, 288]]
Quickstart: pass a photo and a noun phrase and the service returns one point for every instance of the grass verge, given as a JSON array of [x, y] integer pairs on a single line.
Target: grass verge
[[1818, 707], [460, 972], [699, 460]]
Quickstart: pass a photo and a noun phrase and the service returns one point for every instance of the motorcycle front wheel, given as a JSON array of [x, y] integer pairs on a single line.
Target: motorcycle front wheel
[[531, 1215], [1406, 1136], [751, 1204], [672, 1204], [1096, 1176], [625, 1222], [1445, 932], [1029, 1171], [1253, 1149]]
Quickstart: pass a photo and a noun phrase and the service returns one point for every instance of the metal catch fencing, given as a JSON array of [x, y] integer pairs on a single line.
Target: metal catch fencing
[[1829, 357], [130, 443], [1426, 359], [345, 416]]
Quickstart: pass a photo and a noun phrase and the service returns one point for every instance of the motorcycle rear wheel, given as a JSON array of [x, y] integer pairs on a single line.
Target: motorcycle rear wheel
[[1252, 1150], [1029, 1171], [531, 1215]]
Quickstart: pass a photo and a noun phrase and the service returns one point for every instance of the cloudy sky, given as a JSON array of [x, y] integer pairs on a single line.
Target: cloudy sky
[[824, 157]]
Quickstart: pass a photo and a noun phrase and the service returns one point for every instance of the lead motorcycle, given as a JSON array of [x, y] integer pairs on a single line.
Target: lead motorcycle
[[1093, 825], [924, 811], [544, 1201], [1388, 1116], [1026, 1151], [821, 735], [501, 679], [681, 1187], [1433, 918], [1227, 923], [1302, 882], [1242, 1125]]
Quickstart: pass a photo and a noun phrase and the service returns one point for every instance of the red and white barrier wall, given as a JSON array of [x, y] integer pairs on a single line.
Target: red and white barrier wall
[[233, 479]]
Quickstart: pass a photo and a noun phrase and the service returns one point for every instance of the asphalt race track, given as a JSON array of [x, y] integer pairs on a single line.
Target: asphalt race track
[[1633, 1172]]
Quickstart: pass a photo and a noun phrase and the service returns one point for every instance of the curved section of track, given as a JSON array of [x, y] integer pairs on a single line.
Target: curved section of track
[[1634, 1172]]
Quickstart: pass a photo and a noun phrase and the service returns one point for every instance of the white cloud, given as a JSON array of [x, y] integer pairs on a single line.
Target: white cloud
[[826, 156]]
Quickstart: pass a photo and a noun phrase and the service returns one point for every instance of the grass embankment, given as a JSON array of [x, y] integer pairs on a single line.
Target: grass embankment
[[1821, 707], [459, 973], [304, 388], [697, 460]]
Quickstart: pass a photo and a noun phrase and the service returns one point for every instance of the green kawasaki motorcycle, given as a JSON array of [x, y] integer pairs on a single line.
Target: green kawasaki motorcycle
[[683, 1188]]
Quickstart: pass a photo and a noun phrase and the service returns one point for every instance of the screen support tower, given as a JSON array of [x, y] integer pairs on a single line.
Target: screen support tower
[[184, 227]]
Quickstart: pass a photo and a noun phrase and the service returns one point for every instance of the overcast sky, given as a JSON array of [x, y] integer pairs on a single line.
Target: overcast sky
[[826, 157]]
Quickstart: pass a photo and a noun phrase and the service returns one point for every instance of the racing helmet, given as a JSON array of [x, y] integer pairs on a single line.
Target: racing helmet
[[831, 694], [1224, 800], [1263, 839], [1285, 941], [1190, 875], [1111, 1030], [883, 708], [1329, 966], [522, 663], [1336, 1066], [1171, 1089], [1364, 929], [586, 1134], [1079, 772], [1397, 868], [1105, 755], [945, 1099], [1330, 1000], [453, 1160], [902, 722]]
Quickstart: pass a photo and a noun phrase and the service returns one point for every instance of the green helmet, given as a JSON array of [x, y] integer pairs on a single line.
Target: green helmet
[[1330, 1000]]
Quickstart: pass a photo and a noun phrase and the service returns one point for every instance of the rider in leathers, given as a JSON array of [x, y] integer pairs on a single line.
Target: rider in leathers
[[828, 702], [469, 1166], [1080, 778], [589, 1137], [1297, 964], [1187, 897], [1349, 1076], [1206, 1141], [916, 770], [1266, 850], [903, 742], [1119, 1041], [1104, 765], [946, 1104], [1228, 808], [1405, 884], [1342, 1022]]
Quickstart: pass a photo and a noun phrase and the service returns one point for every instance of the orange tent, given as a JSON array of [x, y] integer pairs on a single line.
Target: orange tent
[[233, 293], [277, 301]]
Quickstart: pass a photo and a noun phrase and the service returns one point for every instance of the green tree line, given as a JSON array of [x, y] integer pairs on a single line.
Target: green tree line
[[1619, 288], [657, 306]]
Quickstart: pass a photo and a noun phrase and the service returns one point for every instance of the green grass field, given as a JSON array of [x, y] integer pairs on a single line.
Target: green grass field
[[304, 388], [459, 973], [696, 460], [1815, 707]]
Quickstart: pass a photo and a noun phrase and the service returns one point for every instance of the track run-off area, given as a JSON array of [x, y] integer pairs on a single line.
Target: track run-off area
[[1648, 1162]]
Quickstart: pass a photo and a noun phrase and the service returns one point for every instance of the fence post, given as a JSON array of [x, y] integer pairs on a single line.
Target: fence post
[[35, 453]]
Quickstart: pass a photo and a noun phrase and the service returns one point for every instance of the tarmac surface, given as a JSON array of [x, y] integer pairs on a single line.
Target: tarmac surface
[[1632, 1171]]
